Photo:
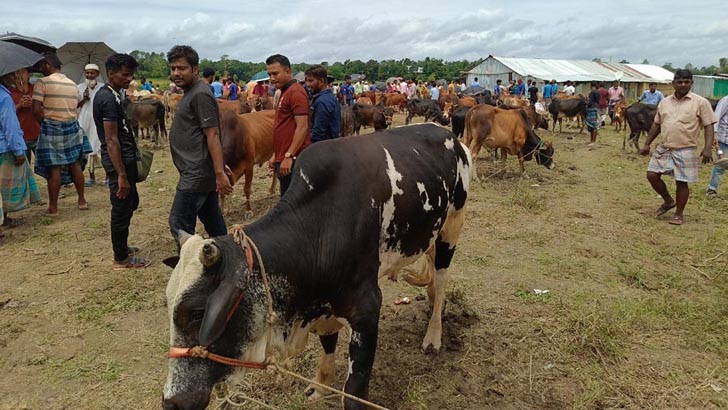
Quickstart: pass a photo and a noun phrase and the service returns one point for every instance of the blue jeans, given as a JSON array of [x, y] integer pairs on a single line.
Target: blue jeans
[[188, 205], [718, 172]]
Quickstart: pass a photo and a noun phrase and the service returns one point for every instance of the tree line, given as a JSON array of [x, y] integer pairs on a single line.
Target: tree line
[[154, 65]]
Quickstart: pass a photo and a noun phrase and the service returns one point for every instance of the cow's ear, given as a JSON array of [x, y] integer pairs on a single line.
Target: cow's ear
[[224, 299], [171, 261]]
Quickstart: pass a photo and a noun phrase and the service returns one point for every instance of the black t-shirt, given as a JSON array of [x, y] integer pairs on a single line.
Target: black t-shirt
[[196, 111], [533, 93], [108, 108]]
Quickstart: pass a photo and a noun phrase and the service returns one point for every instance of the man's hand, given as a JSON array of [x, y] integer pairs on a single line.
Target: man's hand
[[19, 160], [222, 183], [707, 155], [286, 166], [26, 102], [86, 94], [124, 187], [645, 151]]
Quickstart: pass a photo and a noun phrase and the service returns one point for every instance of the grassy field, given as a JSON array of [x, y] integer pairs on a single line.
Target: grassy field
[[635, 317]]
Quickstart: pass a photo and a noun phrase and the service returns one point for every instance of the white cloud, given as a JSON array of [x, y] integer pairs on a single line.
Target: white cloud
[[336, 31]]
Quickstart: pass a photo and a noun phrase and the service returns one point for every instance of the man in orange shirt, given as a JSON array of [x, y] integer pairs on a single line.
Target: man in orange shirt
[[290, 129], [22, 95], [679, 119]]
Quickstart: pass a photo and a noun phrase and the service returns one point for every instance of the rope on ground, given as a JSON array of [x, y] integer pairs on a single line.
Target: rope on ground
[[329, 388]]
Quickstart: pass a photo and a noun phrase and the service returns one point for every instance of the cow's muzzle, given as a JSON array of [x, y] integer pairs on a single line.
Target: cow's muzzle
[[552, 165], [186, 401]]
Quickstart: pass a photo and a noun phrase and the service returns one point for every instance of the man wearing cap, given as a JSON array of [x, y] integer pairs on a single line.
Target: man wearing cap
[[86, 92]]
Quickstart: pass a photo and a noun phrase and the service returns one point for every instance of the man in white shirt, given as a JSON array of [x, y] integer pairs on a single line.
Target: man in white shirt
[[86, 92], [569, 88]]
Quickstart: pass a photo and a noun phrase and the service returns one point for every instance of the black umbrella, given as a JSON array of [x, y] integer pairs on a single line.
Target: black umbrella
[[14, 57], [381, 86], [474, 90], [299, 76], [33, 43]]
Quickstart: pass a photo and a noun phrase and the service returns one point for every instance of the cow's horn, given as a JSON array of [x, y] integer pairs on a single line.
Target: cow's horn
[[210, 255]]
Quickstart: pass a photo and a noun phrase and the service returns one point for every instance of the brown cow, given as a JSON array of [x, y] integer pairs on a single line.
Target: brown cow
[[618, 119], [146, 113], [467, 102], [445, 97], [348, 121], [537, 120], [371, 116], [516, 102], [395, 100], [172, 102], [371, 95], [364, 100], [506, 129], [247, 140], [236, 106]]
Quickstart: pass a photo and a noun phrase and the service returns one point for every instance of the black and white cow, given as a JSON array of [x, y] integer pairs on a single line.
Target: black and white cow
[[357, 209]]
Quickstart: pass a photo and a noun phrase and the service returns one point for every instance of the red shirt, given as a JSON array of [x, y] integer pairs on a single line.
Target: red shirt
[[30, 127], [294, 102], [603, 98], [259, 89]]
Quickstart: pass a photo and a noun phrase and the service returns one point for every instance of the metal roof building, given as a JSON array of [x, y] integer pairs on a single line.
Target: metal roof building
[[634, 77]]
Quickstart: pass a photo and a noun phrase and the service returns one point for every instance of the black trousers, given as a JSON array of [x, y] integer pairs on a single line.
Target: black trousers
[[122, 209], [187, 206], [285, 181]]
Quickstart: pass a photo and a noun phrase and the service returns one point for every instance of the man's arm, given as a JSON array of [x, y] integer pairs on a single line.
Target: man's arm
[[38, 110], [111, 131], [707, 153], [720, 111], [215, 147], [654, 132]]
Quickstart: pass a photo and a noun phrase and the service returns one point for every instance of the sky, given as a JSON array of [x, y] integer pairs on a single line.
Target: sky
[[324, 30]]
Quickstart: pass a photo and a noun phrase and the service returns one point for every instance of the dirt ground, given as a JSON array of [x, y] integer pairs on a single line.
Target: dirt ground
[[635, 316]]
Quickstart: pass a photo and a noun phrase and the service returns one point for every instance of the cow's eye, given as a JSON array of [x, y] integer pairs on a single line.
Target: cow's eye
[[196, 316]]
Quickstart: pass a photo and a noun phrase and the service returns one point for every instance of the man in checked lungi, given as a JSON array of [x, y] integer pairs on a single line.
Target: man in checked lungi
[[679, 119], [62, 146]]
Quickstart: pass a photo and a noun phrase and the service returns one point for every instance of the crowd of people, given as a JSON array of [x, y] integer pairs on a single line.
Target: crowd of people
[[61, 126]]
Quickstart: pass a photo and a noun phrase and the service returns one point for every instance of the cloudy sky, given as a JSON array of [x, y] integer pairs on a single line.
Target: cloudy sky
[[324, 30]]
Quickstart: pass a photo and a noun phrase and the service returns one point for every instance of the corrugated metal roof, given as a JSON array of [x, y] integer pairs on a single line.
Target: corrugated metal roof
[[581, 70], [653, 71]]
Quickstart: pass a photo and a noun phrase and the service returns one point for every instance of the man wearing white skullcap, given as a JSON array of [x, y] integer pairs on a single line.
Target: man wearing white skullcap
[[86, 92]]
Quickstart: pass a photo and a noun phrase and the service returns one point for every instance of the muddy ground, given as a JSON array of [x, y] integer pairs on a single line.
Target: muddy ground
[[635, 317]]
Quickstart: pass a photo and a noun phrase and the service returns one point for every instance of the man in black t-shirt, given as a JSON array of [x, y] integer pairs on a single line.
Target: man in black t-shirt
[[118, 157], [533, 94], [196, 150]]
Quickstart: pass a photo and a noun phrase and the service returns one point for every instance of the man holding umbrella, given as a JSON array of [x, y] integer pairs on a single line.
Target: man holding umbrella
[[62, 145], [86, 92]]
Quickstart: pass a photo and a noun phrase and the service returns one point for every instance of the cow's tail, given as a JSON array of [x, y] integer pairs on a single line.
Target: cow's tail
[[166, 101], [425, 275], [467, 133]]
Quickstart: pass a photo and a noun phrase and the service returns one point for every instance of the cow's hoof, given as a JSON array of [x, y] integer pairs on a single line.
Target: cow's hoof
[[248, 215], [314, 393], [431, 348]]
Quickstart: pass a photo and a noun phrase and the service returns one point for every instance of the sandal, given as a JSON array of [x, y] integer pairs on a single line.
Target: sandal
[[676, 220], [664, 208], [132, 262]]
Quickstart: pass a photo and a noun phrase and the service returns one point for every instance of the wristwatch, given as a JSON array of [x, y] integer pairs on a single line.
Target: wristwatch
[[289, 155]]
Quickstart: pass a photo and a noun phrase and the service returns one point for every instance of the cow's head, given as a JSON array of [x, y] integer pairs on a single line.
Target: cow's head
[[206, 285], [448, 109], [388, 113], [545, 154], [542, 122]]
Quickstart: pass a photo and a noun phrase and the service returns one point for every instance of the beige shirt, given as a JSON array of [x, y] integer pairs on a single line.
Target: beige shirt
[[59, 96], [682, 120]]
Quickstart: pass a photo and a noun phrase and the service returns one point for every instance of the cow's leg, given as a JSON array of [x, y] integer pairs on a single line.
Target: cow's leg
[[327, 368], [474, 150], [520, 163], [248, 189], [444, 250], [409, 118], [581, 121], [363, 345]]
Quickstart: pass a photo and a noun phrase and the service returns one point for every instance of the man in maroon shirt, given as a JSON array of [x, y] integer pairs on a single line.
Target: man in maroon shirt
[[603, 103], [22, 94], [290, 128]]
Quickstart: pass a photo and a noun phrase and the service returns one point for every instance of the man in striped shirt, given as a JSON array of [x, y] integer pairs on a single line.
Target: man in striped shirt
[[62, 145]]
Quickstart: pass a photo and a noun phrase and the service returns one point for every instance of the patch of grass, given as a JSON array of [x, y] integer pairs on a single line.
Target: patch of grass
[[86, 367], [45, 220], [597, 330], [481, 260], [101, 305], [634, 275], [546, 259], [416, 397], [528, 295], [532, 203]]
